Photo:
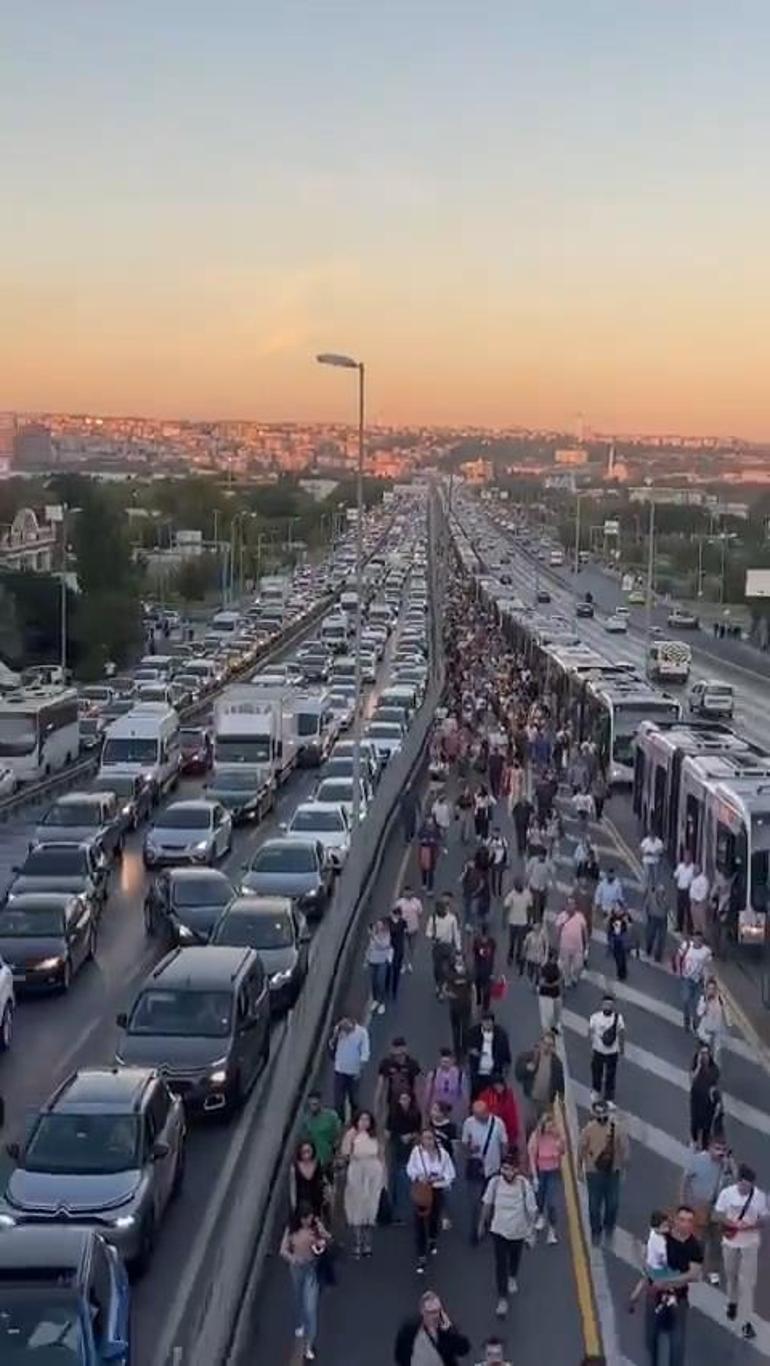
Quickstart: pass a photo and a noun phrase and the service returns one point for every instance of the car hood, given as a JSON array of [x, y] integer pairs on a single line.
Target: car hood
[[201, 919], [62, 1194], [74, 834], [281, 884], [177, 839], [278, 960], [70, 883], [235, 796], [170, 1055], [16, 952]]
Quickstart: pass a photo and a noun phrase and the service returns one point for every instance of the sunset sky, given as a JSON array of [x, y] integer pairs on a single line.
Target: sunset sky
[[512, 211]]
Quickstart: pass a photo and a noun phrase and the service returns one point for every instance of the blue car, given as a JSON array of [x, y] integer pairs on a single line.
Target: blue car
[[64, 1296]]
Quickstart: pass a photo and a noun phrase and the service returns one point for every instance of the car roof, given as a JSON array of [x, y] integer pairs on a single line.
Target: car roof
[[60, 844], [115, 1089], [200, 968], [194, 804], [197, 875], [76, 798], [258, 905], [58, 1247], [41, 901]]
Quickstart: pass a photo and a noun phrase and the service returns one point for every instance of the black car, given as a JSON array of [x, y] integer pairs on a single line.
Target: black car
[[242, 790], [197, 749], [584, 609], [542, 595], [278, 932], [183, 904], [45, 937], [81, 869], [134, 796], [202, 1017]]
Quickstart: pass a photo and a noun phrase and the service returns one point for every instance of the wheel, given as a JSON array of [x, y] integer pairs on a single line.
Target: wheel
[[178, 1182], [6, 1027], [149, 919], [66, 977], [143, 1257], [237, 1094]]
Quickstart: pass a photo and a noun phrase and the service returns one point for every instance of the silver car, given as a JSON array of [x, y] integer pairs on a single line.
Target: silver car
[[106, 1150], [189, 832]]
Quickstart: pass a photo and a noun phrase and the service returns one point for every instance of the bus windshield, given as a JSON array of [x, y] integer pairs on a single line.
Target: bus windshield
[[18, 734], [629, 717]]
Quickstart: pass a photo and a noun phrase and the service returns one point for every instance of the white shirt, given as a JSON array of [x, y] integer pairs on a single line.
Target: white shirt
[[411, 910], [694, 962], [731, 1202], [486, 1061], [474, 1137], [699, 888], [438, 1167], [598, 1023], [514, 1208], [656, 1255], [442, 814], [652, 848], [683, 875], [443, 929]]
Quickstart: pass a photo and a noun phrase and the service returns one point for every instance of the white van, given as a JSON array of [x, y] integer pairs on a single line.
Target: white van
[[334, 633], [144, 743], [225, 623]]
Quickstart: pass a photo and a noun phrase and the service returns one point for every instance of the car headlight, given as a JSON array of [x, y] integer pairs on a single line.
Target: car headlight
[[48, 964], [312, 894], [201, 847], [124, 1221], [127, 809], [184, 932], [7, 1221], [218, 1077], [279, 978]]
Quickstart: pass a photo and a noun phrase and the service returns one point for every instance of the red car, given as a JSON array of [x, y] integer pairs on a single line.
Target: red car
[[197, 749]]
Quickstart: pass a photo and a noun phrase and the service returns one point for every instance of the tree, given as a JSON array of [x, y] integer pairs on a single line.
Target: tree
[[195, 577], [107, 621]]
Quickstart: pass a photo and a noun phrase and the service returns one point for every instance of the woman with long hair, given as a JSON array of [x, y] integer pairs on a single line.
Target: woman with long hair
[[304, 1242], [364, 1180]]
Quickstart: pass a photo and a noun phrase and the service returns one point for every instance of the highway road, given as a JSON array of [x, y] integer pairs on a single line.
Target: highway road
[[54, 1035]]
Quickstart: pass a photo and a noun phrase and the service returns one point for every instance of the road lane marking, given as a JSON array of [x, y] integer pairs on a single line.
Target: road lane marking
[[675, 1076], [655, 1006]]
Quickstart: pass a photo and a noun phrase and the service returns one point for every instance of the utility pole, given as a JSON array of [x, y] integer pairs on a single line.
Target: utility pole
[[650, 566]]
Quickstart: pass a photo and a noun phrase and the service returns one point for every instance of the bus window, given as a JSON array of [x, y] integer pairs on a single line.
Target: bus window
[[659, 800], [692, 825], [639, 766]]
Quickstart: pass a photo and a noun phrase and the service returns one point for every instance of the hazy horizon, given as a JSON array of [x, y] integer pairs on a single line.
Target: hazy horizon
[[512, 213]]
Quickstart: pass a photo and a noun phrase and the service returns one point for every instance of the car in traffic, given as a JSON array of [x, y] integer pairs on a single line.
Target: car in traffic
[[242, 790], [340, 790], [371, 758], [387, 735], [278, 932], [292, 867], [617, 624], [64, 1289], [107, 1148], [684, 619], [81, 869], [46, 937], [84, 817], [7, 1009], [92, 728], [134, 795], [329, 824], [196, 831], [542, 595], [202, 1017], [636, 597], [197, 750], [182, 905], [584, 609], [342, 706], [711, 699]]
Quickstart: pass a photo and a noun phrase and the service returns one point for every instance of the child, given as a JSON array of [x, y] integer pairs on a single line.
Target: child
[[535, 952], [656, 1267]]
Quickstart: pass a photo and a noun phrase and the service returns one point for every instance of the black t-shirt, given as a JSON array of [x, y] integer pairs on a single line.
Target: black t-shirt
[[400, 1076], [680, 1256]]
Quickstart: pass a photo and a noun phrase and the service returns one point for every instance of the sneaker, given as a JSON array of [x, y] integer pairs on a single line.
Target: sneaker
[[299, 1332], [732, 1310], [433, 1249], [309, 1354], [513, 1285], [748, 1331], [381, 1008], [551, 1238], [713, 1278], [540, 1223], [501, 1308], [421, 1266]]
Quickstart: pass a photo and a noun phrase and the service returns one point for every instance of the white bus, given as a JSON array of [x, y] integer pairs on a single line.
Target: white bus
[[613, 712], [39, 731]]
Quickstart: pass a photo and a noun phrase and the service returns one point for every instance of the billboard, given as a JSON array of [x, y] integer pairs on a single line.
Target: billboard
[[612, 528], [758, 583]]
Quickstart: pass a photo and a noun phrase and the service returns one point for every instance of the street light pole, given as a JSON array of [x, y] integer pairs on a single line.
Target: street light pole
[[650, 567], [348, 363], [576, 561]]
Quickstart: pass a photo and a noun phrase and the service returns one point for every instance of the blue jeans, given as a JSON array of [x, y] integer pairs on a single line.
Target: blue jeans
[[548, 1186], [305, 1285], [400, 1186], [379, 978], [603, 1198], [655, 936], [675, 1336], [691, 990]]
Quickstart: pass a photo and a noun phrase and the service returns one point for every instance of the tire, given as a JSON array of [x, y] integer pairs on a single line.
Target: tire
[[179, 1170], [143, 1257], [149, 923], [6, 1028], [91, 951], [66, 977]]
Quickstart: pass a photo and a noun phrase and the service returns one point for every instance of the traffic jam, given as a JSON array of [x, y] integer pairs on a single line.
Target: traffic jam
[[219, 816]]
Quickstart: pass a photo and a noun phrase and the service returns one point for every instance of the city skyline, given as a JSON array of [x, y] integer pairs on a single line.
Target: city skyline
[[512, 218]]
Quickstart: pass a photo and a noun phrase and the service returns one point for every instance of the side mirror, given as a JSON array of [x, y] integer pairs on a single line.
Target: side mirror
[[121, 1020], [159, 1151], [13, 1150]]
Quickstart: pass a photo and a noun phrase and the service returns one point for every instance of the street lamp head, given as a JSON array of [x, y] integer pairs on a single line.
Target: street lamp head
[[332, 358]]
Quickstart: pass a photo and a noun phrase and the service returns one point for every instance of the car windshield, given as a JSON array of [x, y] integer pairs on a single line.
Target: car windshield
[[130, 750], [86, 1145], [336, 790], [384, 730], [70, 814], [202, 891], [40, 1326], [318, 820], [243, 930], [283, 860], [234, 780], [182, 1014], [308, 723], [45, 923], [122, 785], [192, 739], [185, 818], [47, 862]]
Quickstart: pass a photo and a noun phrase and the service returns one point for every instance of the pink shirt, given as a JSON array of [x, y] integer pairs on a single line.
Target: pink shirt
[[572, 932], [546, 1152], [411, 907]]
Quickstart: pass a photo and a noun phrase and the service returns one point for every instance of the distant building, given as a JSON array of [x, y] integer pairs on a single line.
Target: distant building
[[571, 455], [33, 447], [476, 471], [318, 488], [7, 438]]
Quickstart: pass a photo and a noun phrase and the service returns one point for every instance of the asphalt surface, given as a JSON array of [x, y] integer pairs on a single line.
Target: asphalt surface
[[55, 1035]]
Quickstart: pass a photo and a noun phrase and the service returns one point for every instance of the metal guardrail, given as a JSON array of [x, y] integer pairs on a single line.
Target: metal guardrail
[[222, 1316], [82, 768]]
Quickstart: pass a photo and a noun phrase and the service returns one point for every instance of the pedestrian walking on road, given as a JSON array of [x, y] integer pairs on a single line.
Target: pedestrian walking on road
[[431, 1172], [404, 1125], [459, 995], [379, 957], [409, 809], [693, 963], [351, 1051], [430, 1339], [428, 842], [517, 908], [713, 1019], [410, 906], [498, 848], [485, 1142], [465, 807], [706, 1109], [699, 899], [441, 811], [509, 1211], [308, 1184], [667, 1308], [521, 814], [443, 933], [540, 1074], [545, 1150], [539, 879], [500, 1101], [489, 1052], [707, 1173], [322, 1127], [484, 950], [364, 1181], [550, 990], [651, 850], [607, 1034], [397, 1072], [482, 812], [304, 1242], [599, 792], [742, 1211], [656, 922], [603, 1157], [619, 941], [446, 1084], [397, 929], [535, 951], [572, 934], [683, 876]]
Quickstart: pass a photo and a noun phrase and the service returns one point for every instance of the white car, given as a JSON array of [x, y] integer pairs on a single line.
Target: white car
[[326, 822], [7, 781], [637, 597], [339, 792], [7, 1006], [616, 625], [342, 708], [387, 735]]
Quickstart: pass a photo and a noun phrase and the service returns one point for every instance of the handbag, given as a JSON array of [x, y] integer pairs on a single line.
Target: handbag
[[422, 1193], [729, 1232], [474, 1167]]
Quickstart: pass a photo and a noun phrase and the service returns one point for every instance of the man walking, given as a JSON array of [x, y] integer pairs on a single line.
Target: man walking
[[651, 849], [683, 876], [573, 943], [539, 878], [607, 1032], [694, 962], [485, 1141], [603, 1152], [741, 1210], [430, 1339], [351, 1052]]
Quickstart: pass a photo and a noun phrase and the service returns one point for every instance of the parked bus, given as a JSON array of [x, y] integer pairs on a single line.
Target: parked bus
[[39, 731]]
